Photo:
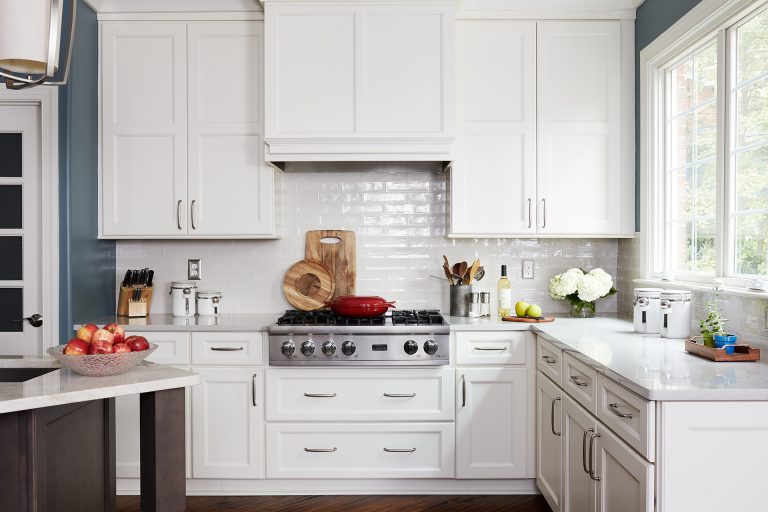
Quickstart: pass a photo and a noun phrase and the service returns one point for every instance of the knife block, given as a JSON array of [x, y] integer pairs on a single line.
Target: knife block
[[126, 306]]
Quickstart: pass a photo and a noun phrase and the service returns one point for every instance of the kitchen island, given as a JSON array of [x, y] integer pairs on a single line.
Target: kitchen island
[[57, 436]]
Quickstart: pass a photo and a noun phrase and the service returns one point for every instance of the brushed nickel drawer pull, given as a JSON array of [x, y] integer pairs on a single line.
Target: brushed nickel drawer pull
[[192, 213], [499, 349], [253, 389], [549, 360], [178, 213], [320, 450], [578, 382], [463, 391], [400, 450], [584, 450], [552, 416], [614, 408], [529, 213], [592, 474], [399, 395], [227, 349], [320, 395]]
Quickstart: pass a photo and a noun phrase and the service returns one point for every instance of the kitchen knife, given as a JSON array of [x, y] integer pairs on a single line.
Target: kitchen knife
[[126, 279], [143, 277], [151, 276]]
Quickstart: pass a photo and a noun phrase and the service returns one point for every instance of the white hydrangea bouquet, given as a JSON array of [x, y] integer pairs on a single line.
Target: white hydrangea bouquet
[[582, 289]]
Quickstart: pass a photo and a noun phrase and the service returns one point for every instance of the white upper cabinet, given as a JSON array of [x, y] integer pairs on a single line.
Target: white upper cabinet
[[182, 131], [545, 143], [359, 80]]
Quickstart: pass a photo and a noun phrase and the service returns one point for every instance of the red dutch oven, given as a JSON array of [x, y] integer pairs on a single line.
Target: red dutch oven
[[353, 306]]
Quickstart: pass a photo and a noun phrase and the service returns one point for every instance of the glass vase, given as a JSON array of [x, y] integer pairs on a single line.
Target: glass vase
[[582, 310]]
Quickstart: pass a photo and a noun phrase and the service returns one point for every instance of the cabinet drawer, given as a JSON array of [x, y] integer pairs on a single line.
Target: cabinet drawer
[[324, 394], [492, 347], [632, 417], [580, 381], [549, 359], [236, 348], [172, 347], [315, 450]]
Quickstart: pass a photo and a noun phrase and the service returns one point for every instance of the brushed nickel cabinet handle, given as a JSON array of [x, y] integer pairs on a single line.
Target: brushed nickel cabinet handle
[[548, 359], [400, 450], [614, 408], [227, 349], [178, 214], [552, 416], [530, 219], [320, 395], [544, 216], [578, 382], [584, 450], [489, 349], [320, 450], [463, 391], [192, 213], [592, 474], [399, 395], [253, 389]]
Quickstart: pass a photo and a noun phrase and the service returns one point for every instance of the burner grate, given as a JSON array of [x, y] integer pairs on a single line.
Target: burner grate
[[325, 317], [417, 317]]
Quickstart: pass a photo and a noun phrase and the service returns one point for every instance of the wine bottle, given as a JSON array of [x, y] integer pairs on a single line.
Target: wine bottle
[[505, 294]]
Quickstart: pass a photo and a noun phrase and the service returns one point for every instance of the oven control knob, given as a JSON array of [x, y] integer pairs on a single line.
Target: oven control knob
[[288, 348], [329, 348], [348, 348], [411, 347], [307, 348], [430, 347]]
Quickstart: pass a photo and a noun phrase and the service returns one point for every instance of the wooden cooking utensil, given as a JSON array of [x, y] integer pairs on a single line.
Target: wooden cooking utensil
[[308, 285], [335, 249], [463, 272], [473, 270], [448, 273]]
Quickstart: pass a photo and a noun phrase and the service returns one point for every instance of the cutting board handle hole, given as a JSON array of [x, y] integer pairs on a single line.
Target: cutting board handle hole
[[330, 240], [308, 285]]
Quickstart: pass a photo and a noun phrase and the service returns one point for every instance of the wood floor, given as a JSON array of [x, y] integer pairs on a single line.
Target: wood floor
[[353, 503]]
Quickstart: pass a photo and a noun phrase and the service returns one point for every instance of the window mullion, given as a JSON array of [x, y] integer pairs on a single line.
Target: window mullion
[[725, 144]]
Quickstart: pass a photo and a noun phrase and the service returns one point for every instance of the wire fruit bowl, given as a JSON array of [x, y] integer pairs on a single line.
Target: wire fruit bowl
[[100, 365]]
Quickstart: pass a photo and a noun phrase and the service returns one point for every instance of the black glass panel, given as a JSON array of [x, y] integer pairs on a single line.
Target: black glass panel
[[11, 305], [10, 206], [10, 155], [10, 258]]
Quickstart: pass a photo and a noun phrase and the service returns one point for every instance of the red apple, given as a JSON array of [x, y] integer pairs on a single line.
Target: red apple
[[86, 331], [117, 330], [76, 347], [103, 335], [137, 343], [118, 348], [100, 347]]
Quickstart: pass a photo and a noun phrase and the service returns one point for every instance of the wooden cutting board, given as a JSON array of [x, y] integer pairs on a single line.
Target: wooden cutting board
[[540, 320], [339, 257], [308, 285]]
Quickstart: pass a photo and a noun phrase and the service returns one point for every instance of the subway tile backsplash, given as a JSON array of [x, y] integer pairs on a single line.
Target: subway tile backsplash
[[399, 214]]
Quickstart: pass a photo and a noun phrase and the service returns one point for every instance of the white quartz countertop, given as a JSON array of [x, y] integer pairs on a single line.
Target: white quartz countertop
[[63, 386], [167, 322]]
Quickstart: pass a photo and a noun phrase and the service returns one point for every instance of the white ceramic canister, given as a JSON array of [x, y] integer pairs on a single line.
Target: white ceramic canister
[[675, 308], [209, 303], [647, 310], [183, 298]]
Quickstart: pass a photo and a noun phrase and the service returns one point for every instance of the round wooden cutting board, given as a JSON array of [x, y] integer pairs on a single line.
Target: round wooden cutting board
[[308, 285]]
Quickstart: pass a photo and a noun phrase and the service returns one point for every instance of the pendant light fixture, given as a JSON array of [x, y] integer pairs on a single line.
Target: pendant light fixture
[[31, 37]]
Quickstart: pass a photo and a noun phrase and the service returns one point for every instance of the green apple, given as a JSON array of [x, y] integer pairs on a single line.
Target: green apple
[[521, 307], [534, 310]]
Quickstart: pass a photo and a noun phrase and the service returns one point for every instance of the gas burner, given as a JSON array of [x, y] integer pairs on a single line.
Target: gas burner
[[325, 317], [417, 317]]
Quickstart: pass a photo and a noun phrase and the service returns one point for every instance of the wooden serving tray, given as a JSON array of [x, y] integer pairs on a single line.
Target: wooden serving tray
[[527, 320], [740, 353]]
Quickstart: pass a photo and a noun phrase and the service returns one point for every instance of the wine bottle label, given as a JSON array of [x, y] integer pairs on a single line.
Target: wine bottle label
[[505, 299]]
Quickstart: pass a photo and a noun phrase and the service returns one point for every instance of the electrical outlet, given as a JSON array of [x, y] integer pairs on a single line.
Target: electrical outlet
[[194, 270], [528, 268]]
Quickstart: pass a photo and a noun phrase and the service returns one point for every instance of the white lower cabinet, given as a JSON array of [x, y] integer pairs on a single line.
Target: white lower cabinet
[[492, 423], [549, 433], [579, 492], [228, 423], [348, 450]]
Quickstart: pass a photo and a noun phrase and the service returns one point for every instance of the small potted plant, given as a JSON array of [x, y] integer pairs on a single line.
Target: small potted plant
[[714, 324]]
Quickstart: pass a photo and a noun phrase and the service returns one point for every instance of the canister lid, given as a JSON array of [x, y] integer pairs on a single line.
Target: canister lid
[[651, 293], [676, 294], [178, 285], [208, 294]]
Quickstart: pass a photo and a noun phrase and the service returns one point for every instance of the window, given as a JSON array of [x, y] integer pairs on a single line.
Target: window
[[707, 184]]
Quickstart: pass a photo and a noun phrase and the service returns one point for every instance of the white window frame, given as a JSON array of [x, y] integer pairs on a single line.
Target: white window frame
[[709, 20]]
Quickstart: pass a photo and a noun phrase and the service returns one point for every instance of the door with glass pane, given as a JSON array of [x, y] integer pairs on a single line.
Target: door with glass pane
[[20, 243]]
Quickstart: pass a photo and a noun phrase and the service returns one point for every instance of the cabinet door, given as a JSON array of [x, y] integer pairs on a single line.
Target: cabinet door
[[230, 186], [626, 479], [579, 126], [144, 129], [493, 178], [579, 490], [549, 428], [228, 423], [492, 432]]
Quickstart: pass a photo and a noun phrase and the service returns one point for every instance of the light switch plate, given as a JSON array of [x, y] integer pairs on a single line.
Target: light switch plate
[[528, 268], [194, 270]]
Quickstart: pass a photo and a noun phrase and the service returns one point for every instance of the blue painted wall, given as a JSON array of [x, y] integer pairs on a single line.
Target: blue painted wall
[[653, 18], [86, 264]]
